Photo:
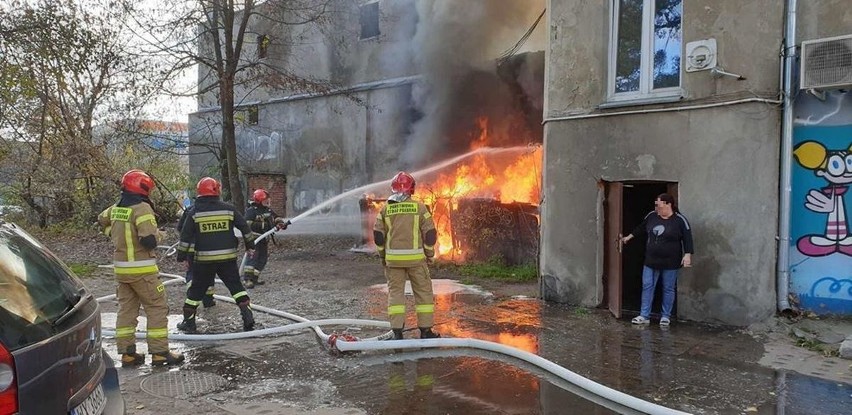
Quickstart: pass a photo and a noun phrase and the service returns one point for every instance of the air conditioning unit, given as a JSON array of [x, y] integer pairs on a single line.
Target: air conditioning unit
[[827, 63]]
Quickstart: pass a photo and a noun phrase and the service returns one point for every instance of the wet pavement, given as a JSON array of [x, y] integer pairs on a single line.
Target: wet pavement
[[689, 367]]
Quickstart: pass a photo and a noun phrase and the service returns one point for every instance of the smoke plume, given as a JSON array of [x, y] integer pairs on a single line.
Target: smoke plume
[[467, 86]]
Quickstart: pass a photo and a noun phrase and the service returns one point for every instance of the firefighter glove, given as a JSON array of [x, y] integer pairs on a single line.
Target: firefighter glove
[[281, 223]]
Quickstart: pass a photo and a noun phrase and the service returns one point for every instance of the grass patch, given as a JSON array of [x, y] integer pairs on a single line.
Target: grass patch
[[815, 345], [83, 270], [581, 311], [496, 269]]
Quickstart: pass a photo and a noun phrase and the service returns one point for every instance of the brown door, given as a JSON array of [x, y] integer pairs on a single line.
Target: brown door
[[671, 188], [612, 245]]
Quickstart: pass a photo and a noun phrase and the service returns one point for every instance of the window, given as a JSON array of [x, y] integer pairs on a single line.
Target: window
[[253, 116], [370, 20], [262, 46], [35, 289], [645, 49]]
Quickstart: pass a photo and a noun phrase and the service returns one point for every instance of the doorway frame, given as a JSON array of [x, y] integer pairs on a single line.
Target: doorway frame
[[613, 214]]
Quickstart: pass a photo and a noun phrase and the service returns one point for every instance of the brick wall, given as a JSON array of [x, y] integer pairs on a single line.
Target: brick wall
[[276, 185]]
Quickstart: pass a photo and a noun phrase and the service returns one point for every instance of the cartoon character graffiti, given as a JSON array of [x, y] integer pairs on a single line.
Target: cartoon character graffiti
[[835, 166]]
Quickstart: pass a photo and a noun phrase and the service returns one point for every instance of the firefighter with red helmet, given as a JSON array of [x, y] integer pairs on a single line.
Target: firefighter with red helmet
[[209, 231], [405, 238], [133, 228], [208, 300], [261, 218]]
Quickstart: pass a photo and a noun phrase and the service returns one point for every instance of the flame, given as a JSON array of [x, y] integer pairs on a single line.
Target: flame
[[510, 181], [519, 181]]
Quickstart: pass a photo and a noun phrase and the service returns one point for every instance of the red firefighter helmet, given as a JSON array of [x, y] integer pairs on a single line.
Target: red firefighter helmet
[[208, 186], [403, 183], [259, 196], [138, 182]]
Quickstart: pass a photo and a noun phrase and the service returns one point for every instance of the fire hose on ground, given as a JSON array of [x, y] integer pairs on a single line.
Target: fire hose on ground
[[346, 343]]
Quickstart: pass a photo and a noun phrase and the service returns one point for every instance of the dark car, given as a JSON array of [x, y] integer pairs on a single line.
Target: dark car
[[51, 359]]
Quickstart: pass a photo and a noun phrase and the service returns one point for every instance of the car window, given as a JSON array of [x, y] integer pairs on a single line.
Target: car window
[[35, 289]]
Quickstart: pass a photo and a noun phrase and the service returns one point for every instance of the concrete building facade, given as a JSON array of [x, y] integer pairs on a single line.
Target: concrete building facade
[[321, 143], [631, 113], [356, 125]]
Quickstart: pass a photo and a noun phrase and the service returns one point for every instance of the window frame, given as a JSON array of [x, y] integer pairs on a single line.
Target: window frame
[[646, 90], [361, 22]]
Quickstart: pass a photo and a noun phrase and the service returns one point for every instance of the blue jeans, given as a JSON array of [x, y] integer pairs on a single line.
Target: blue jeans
[[649, 284]]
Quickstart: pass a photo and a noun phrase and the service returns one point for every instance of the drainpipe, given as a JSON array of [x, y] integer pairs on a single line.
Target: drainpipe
[[783, 266]]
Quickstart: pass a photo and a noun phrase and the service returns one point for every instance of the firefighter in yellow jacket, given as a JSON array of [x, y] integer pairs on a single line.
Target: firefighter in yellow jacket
[[405, 237], [133, 228]]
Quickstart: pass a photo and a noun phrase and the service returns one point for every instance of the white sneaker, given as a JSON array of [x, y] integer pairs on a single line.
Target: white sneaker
[[664, 322], [640, 320]]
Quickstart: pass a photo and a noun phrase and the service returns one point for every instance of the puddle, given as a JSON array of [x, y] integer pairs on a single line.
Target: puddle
[[693, 368]]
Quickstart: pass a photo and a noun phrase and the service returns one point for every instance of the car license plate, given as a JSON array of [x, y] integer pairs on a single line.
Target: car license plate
[[93, 405]]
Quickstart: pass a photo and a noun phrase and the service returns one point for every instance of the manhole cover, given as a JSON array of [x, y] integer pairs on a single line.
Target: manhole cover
[[182, 383]]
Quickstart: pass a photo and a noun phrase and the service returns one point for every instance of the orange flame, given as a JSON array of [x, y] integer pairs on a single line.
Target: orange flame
[[517, 180], [510, 181]]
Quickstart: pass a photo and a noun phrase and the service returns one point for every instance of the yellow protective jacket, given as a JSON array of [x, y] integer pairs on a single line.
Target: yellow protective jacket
[[405, 233], [126, 225]]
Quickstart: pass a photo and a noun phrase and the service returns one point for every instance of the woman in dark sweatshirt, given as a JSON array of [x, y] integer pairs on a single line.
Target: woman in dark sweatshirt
[[668, 248]]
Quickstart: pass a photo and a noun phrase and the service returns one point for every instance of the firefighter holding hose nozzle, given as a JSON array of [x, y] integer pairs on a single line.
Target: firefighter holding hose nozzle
[[405, 239], [261, 218]]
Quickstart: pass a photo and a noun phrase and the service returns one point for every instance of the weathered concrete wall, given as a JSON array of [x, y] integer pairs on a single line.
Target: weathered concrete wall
[[578, 51], [823, 18], [323, 145], [726, 166], [349, 136], [330, 50], [725, 159]]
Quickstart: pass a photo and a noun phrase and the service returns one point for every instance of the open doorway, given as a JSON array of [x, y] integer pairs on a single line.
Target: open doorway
[[627, 203]]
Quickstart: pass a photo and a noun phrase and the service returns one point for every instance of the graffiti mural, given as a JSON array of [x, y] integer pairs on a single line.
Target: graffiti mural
[[256, 147], [821, 242]]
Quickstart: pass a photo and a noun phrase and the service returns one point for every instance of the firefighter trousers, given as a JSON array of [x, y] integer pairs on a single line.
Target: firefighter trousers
[[204, 274], [257, 262], [190, 263], [421, 285], [146, 291]]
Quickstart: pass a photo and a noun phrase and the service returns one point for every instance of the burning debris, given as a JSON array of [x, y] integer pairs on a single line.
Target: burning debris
[[482, 208]]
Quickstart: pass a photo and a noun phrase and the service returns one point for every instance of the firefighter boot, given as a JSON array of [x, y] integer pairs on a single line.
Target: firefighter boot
[[255, 279], [427, 333], [247, 282], [247, 315], [131, 358], [397, 334], [166, 358], [188, 323], [208, 301]]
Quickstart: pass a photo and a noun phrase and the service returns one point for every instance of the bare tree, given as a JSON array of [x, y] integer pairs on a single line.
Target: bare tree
[[65, 68], [215, 35]]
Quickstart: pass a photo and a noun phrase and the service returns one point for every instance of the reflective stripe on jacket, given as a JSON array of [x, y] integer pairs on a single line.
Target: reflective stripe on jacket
[[209, 229], [126, 225], [404, 225]]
